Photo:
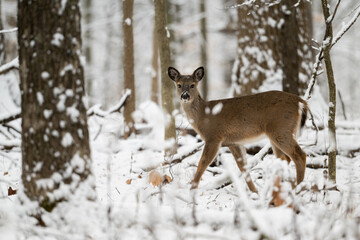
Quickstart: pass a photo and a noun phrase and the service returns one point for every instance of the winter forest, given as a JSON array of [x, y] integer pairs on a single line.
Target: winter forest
[[175, 119]]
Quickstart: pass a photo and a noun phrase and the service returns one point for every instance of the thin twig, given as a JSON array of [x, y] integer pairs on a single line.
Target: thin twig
[[10, 118], [13, 64], [9, 30]]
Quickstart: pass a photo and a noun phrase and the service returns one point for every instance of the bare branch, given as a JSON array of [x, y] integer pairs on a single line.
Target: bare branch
[[178, 158], [13, 64], [9, 30], [346, 27], [10, 118], [95, 110]]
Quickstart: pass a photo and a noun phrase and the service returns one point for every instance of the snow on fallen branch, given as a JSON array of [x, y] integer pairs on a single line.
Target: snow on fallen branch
[[96, 109], [13, 64], [9, 144], [9, 30], [179, 157], [6, 119]]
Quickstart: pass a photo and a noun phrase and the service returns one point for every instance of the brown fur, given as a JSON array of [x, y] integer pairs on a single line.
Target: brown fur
[[234, 121]]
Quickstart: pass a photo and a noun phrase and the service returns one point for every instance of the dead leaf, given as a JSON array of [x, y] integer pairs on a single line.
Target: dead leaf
[[139, 176], [6, 173], [167, 179], [155, 178], [128, 181], [11, 191]]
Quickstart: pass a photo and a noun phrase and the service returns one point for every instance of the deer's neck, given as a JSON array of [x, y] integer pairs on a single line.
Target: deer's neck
[[195, 110]]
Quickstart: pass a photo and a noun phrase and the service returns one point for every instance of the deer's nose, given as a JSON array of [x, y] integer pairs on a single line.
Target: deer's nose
[[185, 96]]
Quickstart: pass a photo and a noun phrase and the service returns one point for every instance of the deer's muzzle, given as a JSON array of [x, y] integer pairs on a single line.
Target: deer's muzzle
[[185, 96]]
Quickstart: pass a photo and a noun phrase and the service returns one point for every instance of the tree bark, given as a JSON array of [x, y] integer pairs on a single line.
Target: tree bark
[[2, 41], [204, 82], [273, 47], [55, 138], [129, 79], [87, 48], [155, 68], [166, 83], [332, 92]]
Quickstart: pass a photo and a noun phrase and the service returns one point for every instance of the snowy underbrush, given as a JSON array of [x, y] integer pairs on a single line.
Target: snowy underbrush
[[129, 207]]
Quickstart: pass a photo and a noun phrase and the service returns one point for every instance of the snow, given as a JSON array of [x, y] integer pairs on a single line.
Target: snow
[[128, 21], [45, 75], [40, 98], [141, 211], [67, 140], [57, 39]]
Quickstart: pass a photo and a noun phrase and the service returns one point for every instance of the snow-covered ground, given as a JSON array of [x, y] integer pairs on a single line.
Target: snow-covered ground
[[129, 207]]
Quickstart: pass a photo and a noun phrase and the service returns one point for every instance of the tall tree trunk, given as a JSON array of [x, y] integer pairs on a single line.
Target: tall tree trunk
[[2, 41], [258, 62], [203, 48], [129, 81], [155, 69], [166, 83], [88, 43], [55, 139], [273, 47], [332, 92]]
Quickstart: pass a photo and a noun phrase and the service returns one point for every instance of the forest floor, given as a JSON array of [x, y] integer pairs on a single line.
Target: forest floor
[[129, 207]]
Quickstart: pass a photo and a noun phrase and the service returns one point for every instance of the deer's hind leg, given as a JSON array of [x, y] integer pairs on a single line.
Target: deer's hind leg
[[279, 154], [239, 153], [288, 145]]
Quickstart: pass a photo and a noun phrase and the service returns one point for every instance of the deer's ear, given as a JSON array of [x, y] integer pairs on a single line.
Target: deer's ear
[[173, 73], [199, 73]]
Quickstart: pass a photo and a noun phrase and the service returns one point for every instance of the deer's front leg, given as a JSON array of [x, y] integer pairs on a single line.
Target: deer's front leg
[[208, 155]]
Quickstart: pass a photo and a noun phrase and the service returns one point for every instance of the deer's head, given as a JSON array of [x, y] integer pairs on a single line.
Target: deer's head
[[186, 85]]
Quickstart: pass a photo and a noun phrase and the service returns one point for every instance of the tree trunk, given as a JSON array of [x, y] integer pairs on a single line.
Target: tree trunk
[[273, 47], [55, 139], [129, 81], [2, 41], [258, 54], [155, 69], [203, 48], [87, 48], [332, 92], [166, 84]]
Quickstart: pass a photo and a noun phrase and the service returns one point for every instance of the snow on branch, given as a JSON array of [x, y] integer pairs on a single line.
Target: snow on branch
[[9, 30], [96, 109], [13, 64], [346, 27], [6, 119]]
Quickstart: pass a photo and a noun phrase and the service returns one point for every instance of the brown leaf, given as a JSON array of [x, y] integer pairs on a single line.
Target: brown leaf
[[167, 179], [277, 200], [128, 181], [11, 191], [155, 178], [6, 173]]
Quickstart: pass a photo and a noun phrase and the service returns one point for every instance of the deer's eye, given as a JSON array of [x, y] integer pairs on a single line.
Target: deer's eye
[[192, 85], [179, 86]]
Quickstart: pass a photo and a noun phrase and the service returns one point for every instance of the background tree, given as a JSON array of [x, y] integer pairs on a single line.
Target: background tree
[[2, 41], [328, 41], [55, 139], [129, 81], [155, 68], [203, 48], [166, 83], [88, 42], [273, 47]]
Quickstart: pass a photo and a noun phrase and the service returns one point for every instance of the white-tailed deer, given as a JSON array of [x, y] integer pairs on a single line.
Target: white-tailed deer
[[235, 121]]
